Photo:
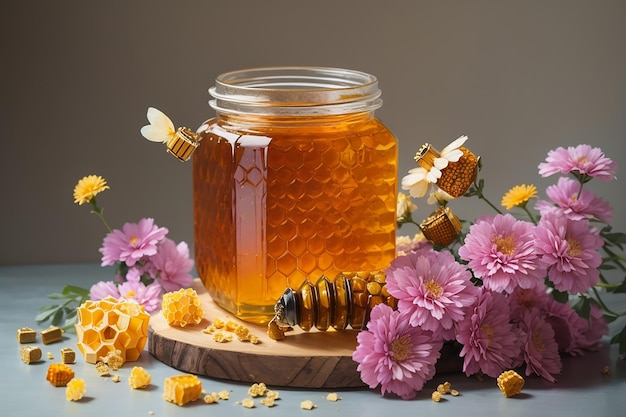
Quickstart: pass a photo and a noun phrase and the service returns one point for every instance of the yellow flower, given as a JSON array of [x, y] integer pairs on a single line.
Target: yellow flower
[[518, 196], [88, 187]]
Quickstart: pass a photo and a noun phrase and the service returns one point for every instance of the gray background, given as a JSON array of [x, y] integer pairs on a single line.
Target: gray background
[[520, 78]]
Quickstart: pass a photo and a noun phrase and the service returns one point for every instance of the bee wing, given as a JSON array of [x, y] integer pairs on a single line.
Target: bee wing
[[160, 129], [451, 152]]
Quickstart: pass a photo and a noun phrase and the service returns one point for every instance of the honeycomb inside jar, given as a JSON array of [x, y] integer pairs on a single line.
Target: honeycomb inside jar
[[278, 201]]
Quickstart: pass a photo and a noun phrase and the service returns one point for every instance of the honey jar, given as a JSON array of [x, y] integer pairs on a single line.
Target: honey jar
[[294, 178]]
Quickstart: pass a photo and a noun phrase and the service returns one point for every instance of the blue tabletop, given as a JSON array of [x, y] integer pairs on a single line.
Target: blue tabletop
[[592, 385]]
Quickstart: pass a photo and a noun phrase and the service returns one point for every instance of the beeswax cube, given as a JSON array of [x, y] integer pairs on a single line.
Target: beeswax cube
[[68, 355], [30, 354], [51, 334], [182, 389], [26, 335]]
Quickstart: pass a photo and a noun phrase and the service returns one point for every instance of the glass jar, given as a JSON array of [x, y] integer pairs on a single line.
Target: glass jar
[[293, 179]]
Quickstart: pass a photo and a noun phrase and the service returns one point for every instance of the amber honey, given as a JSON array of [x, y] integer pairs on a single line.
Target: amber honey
[[283, 193]]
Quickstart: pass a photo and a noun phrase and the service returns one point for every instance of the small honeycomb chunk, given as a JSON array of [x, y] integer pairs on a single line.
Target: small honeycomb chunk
[[102, 368], [115, 378], [51, 334], [139, 378], [333, 397], [114, 359], [307, 405], [26, 335], [182, 307], [247, 402], [223, 394], [257, 390], [510, 383], [268, 401], [436, 396], [75, 389], [68, 355], [59, 374], [30, 354], [211, 398], [181, 389]]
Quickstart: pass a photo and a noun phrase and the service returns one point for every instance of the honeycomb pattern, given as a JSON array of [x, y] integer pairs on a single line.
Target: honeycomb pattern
[[107, 325], [181, 389], [309, 201], [182, 307]]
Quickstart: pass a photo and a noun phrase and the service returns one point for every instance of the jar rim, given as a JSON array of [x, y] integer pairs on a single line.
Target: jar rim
[[295, 90]]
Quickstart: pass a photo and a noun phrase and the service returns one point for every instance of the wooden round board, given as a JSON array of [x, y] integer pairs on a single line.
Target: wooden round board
[[302, 360]]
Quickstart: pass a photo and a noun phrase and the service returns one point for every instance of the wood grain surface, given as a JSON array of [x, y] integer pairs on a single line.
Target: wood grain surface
[[302, 360]]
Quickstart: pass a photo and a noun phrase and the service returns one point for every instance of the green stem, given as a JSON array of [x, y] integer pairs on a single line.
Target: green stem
[[530, 215], [100, 213], [479, 193], [604, 306]]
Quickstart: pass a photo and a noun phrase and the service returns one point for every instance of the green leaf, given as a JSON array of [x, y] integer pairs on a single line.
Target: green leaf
[[45, 313], [75, 291], [58, 317], [620, 338], [621, 288], [617, 238], [560, 296], [583, 307]]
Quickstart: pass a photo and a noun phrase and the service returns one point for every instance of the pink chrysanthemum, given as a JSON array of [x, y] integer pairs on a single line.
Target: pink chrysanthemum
[[577, 207], [149, 296], [501, 251], [132, 243], [103, 289], [575, 334], [570, 249], [582, 159], [173, 265], [395, 355], [489, 340], [525, 299], [432, 288], [540, 352]]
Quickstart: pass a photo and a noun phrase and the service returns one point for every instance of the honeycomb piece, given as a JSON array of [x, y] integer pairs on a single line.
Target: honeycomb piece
[[223, 394], [114, 359], [108, 325], [257, 390], [102, 368], [68, 355], [268, 401], [26, 335], [139, 378], [182, 307], [211, 398], [333, 397], [181, 389], [75, 389], [510, 383], [247, 402], [30, 354], [51, 334], [116, 378], [307, 405], [436, 396], [59, 374]]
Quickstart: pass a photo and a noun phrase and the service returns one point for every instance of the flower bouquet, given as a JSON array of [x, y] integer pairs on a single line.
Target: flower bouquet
[[509, 291], [147, 263]]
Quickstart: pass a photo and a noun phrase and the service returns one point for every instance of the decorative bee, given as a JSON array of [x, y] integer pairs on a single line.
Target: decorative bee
[[181, 142], [344, 302]]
